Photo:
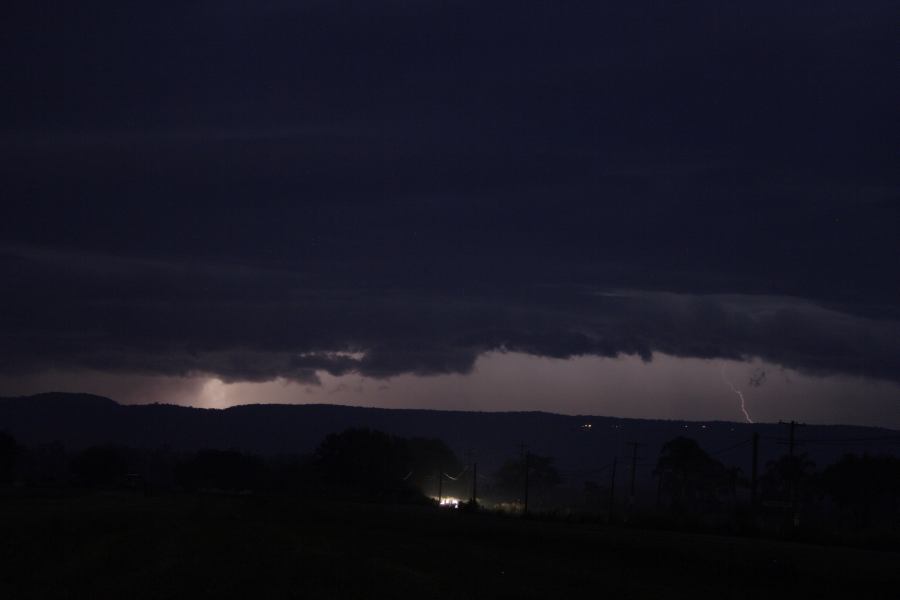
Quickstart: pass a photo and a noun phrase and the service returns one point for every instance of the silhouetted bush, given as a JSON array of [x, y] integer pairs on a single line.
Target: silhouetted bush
[[102, 465], [45, 465], [865, 488], [227, 470], [291, 473], [8, 454]]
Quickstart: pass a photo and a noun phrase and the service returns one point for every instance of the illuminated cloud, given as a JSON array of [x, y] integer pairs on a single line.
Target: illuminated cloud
[[242, 325], [296, 193]]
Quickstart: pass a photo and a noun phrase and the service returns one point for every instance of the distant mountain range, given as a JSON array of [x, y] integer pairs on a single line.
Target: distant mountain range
[[580, 444]]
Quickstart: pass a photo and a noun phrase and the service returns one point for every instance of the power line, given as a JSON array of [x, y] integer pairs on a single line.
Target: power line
[[792, 427], [729, 448], [585, 471], [458, 475], [849, 440], [782, 440]]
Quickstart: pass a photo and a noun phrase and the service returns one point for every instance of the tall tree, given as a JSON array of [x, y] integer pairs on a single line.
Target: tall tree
[[866, 488], [690, 478], [542, 475]]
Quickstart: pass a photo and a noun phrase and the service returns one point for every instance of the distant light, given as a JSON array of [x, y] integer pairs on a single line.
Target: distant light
[[586, 426], [450, 501]]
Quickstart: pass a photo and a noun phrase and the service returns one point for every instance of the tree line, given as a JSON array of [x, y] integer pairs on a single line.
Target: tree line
[[858, 492], [694, 489]]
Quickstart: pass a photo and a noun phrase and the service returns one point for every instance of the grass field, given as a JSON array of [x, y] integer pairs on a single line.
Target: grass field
[[121, 545]]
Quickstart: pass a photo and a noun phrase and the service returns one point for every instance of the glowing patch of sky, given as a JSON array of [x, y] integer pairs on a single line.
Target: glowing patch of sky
[[666, 387]]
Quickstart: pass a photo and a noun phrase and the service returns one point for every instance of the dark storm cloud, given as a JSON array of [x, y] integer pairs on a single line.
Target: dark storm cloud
[[683, 146], [113, 314], [391, 187]]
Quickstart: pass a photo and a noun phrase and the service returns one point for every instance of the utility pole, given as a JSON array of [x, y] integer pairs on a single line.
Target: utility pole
[[634, 459], [794, 473], [612, 488], [440, 484], [792, 426], [753, 472], [524, 458], [473, 473], [527, 468], [474, 485], [658, 490]]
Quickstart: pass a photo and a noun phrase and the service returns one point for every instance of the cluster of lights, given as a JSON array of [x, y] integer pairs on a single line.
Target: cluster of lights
[[449, 501]]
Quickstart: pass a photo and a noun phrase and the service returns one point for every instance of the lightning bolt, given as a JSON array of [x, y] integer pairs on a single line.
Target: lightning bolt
[[736, 391]]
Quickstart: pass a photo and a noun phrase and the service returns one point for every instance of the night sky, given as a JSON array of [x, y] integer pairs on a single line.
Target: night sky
[[636, 208]]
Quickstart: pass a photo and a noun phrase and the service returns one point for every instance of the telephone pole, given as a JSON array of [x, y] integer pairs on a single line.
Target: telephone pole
[[794, 475], [658, 490], [470, 457], [440, 484], [612, 488], [470, 463], [634, 459], [793, 426], [527, 468], [794, 472], [524, 457], [753, 472]]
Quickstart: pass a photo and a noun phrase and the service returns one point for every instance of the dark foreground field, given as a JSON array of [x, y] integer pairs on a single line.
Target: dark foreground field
[[119, 545]]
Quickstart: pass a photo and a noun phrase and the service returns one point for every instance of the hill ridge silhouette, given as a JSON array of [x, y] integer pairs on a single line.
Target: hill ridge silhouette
[[81, 420]]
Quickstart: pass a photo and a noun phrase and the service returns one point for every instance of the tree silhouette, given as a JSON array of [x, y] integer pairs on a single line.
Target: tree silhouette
[[428, 457], [867, 488], [375, 462], [8, 452], [690, 478], [221, 469], [788, 478], [45, 464], [101, 465], [362, 457], [542, 475]]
